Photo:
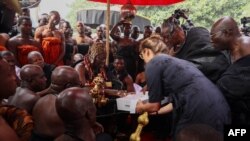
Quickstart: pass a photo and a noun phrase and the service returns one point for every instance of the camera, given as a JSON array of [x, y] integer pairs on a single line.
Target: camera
[[245, 20], [245, 29]]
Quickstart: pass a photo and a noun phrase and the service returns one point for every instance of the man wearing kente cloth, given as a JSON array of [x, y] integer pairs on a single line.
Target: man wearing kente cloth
[[52, 40], [23, 43], [3, 39]]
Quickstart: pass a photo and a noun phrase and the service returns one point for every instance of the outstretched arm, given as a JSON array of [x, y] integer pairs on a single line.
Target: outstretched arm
[[113, 31]]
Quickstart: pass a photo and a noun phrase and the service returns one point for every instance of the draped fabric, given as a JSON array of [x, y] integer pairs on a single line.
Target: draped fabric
[[234, 84], [95, 50], [22, 53], [52, 49], [19, 120], [199, 50], [2, 48]]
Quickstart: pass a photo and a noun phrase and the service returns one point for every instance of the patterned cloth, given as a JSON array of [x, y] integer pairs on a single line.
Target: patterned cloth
[[19, 120]]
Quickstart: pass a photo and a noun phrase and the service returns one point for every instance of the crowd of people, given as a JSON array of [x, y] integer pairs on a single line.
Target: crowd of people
[[46, 73]]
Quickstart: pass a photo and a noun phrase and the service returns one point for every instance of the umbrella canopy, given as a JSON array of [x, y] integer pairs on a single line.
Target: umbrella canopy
[[141, 2], [95, 17], [29, 3]]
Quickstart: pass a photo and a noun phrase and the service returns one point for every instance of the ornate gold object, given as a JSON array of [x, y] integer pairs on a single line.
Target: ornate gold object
[[142, 121], [97, 92]]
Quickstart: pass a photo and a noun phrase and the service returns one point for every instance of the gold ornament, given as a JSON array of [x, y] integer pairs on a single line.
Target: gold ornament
[[142, 121], [97, 92]]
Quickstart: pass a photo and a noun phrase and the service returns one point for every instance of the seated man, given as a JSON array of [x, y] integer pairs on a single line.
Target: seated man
[[32, 81], [119, 76], [48, 125], [36, 58], [85, 73], [76, 109]]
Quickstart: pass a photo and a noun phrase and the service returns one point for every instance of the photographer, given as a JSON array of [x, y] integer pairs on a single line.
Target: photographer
[[245, 29]]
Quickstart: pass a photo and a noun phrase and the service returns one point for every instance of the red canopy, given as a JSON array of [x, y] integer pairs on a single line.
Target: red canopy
[[142, 2]]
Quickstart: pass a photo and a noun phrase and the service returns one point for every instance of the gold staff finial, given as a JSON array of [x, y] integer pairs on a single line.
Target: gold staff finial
[[142, 121]]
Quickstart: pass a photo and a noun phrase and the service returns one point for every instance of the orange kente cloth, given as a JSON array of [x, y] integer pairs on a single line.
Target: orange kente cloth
[[23, 51], [52, 49], [2, 48], [19, 120]]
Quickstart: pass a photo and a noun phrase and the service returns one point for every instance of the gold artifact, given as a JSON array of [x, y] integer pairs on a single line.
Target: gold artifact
[[97, 92], [142, 121]]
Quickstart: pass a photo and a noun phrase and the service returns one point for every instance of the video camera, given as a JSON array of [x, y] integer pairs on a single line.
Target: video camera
[[245, 29], [182, 13]]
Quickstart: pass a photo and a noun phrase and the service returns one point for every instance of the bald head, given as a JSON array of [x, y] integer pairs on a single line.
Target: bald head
[[33, 53], [77, 57], [74, 104], [28, 72], [32, 76], [35, 57], [226, 23], [224, 32], [65, 77]]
